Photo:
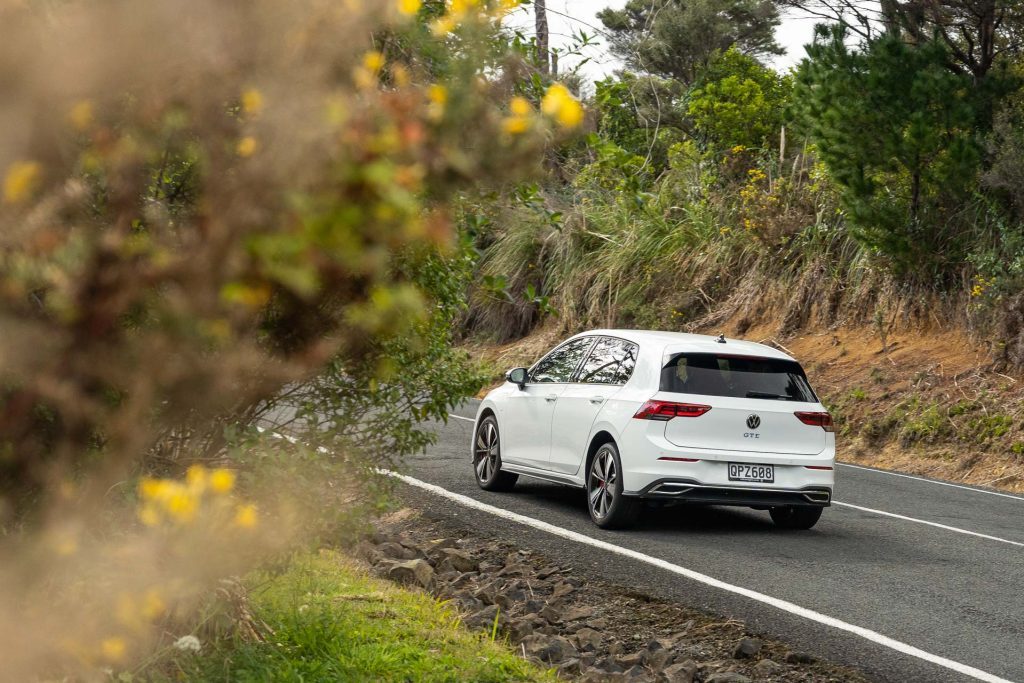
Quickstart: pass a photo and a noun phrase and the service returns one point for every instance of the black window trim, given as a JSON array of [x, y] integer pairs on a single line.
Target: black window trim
[[575, 371], [579, 368], [668, 356]]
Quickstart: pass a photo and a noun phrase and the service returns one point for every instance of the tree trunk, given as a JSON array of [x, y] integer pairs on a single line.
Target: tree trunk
[[543, 53]]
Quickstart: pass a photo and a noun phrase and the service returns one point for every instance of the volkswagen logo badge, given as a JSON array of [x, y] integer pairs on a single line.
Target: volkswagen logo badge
[[753, 421]]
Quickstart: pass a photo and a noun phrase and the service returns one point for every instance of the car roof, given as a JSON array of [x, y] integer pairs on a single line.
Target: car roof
[[697, 343]]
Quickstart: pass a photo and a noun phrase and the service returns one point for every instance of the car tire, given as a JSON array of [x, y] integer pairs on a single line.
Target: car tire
[[608, 508], [795, 517], [487, 458]]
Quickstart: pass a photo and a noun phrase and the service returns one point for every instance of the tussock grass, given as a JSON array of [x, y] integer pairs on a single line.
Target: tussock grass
[[329, 620]]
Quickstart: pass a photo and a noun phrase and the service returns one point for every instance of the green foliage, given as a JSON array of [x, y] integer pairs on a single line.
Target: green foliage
[[330, 621], [896, 129], [640, 115], [739, 102], [377, 406], [678, 39]]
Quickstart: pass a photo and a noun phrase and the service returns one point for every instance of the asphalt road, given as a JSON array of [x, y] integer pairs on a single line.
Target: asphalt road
[[925, 581]]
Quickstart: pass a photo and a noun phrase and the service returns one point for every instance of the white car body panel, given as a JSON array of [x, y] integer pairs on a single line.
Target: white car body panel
[[550, 439]]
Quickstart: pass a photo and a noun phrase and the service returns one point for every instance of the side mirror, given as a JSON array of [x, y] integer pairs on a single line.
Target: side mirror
[[517, 376]]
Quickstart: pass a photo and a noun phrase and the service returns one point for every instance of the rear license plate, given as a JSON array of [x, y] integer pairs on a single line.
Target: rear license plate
[[764, 474]]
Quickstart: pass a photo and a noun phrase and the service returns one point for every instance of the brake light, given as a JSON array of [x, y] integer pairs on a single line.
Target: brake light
[[666, 410], [823, 420]]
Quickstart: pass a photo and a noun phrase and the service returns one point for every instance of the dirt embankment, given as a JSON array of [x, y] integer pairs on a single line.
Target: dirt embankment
[[926, 403]]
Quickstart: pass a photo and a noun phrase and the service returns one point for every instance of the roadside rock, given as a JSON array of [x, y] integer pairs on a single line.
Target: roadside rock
[[577, 613], [659, 659], [562, 589], [683, 672], [417, 572], [396, 551], [636, 673], [747, 648], [518, 629], [727, 677], [552, 614], [767, 667], [569, 667], [595, 675], [483, 619], [631, 660], [510, 597], [587, 639], [549, 649]]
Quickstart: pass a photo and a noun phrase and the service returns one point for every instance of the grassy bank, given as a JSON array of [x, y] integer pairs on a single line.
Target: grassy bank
[[325, 618]]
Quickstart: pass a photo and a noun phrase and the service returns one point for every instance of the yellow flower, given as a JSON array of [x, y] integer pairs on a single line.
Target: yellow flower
[[252, 102], [80, 115], [195, 477], [559, 104], [246, 516], [409, 7], [373, 61], [113, 649], [515, 125], [438, 94], [460, 8], [442, 26], [520, 106], [246, 147], [222, 480], [151, 488], [21, 181], [182, 507], [153, 605]]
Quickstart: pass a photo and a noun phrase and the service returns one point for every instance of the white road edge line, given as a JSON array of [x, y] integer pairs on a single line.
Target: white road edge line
[[933, 481], [922, 521], [945, 527], [890, 514], [783, 605]]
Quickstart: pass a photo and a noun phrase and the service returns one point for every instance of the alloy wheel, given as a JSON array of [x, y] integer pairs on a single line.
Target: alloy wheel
[[486, 452], [601, 488]]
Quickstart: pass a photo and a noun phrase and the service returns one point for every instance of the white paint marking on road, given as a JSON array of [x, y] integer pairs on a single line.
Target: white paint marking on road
[[933, 481], [892, 514], [923, 521], [783, 605]]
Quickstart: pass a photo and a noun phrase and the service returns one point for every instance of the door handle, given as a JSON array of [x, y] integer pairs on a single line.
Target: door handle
[[597, 400], [551, 398]]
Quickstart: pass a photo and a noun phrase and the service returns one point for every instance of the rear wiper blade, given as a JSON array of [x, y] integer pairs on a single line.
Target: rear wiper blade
[[765, 394]]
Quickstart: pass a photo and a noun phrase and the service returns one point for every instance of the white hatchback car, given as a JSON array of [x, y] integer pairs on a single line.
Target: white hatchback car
[[635, 415]]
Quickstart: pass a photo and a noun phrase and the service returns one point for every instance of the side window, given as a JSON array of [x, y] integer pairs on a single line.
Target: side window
[[610, 362], [559, 365]]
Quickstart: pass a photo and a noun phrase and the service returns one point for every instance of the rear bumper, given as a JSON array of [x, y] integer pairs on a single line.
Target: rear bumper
[[688, 491]]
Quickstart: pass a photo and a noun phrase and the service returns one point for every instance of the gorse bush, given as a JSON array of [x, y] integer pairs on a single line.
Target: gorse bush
[[200, 216]]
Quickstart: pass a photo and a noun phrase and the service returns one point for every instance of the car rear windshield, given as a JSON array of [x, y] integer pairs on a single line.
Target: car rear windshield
[[713, 374]]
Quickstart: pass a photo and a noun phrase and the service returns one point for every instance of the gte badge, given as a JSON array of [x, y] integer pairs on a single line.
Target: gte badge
[[753, 422]]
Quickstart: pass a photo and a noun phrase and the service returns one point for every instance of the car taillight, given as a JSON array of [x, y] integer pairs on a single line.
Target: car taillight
[[823, 420], [666, 410]]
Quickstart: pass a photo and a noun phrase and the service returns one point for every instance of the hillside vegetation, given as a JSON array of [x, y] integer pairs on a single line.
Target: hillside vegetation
[[874, 192]]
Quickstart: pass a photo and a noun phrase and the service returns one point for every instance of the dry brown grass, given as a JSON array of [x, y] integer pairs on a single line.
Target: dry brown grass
[[929, 367]]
